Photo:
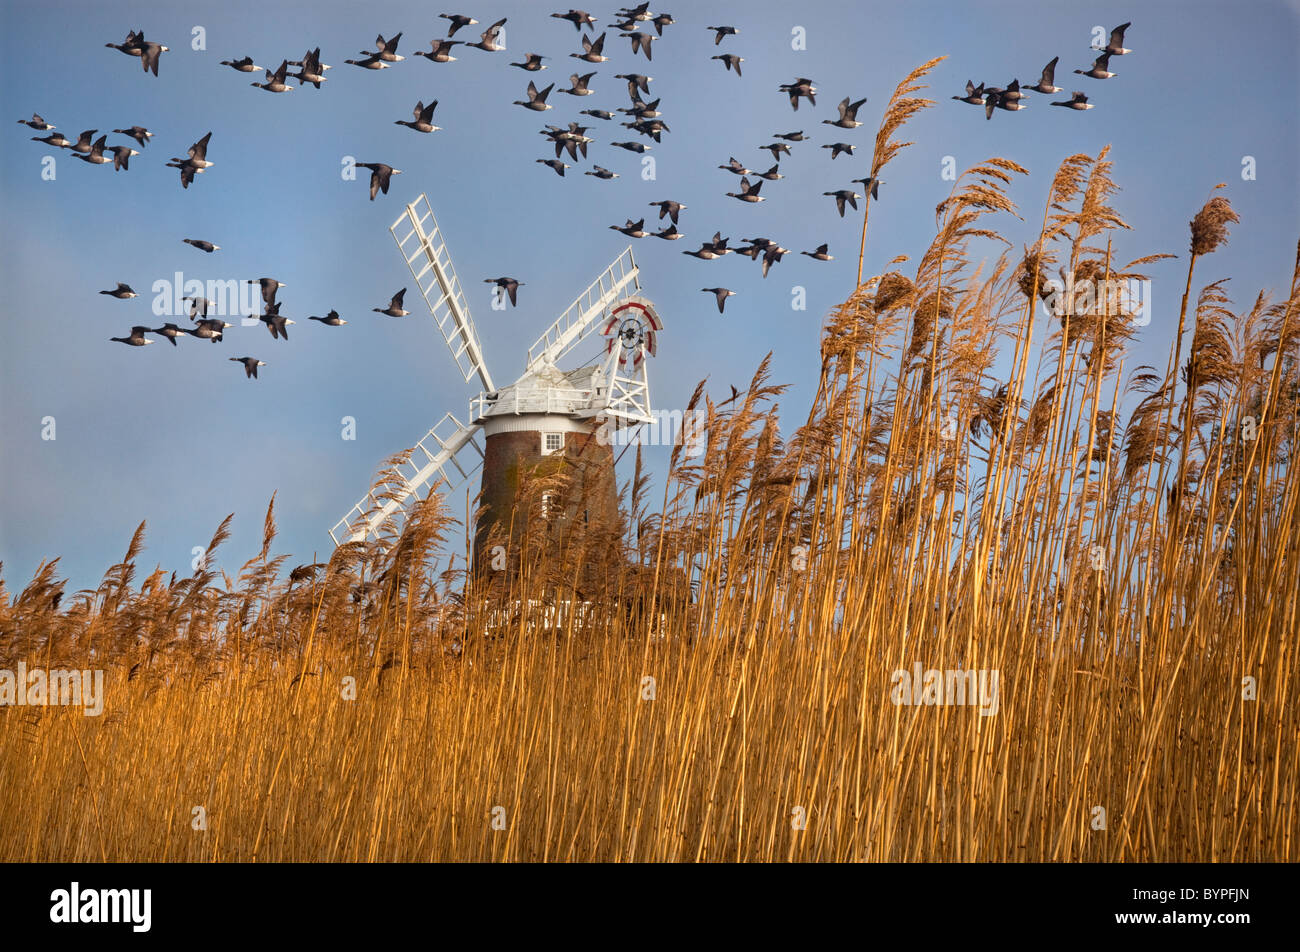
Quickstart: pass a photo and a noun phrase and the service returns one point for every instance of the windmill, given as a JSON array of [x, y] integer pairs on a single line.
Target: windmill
[[547, 413]]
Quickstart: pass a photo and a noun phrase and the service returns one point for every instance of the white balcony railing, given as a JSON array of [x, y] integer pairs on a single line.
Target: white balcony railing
[[527, 400]]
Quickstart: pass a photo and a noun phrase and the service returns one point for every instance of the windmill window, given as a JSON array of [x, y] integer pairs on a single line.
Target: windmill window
[[548, 503], [552, 443]]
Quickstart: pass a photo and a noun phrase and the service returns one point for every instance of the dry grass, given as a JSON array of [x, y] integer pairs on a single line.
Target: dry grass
[[770, 595]]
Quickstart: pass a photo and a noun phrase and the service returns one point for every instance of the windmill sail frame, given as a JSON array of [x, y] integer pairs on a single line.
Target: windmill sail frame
[[423, 245]]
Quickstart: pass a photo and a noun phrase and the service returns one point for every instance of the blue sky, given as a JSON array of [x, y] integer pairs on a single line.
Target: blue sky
[[179, 437]]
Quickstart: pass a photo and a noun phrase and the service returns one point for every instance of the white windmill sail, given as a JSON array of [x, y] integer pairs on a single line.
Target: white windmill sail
[[616, 282], [436, 457], [425, 252]]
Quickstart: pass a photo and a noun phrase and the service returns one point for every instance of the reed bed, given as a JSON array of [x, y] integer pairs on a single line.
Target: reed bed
[[979, 486]]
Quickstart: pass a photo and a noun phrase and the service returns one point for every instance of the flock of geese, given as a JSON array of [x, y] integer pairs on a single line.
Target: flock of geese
[[1012, 98], [644, 118]]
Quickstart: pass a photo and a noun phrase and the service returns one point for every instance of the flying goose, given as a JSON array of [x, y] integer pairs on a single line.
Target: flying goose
[[820, 254], [139, 133], [649, 127], [198, 154], [848, 114], [121, 156], [275, 322], [711, 249], [844, 195], [800, 87], [311, 58], [394, 308], [730, 61], [370, 62], [638, 14], [423, 116], [574, 142], [310, 69], [149, 53], [1044, 84], [37, 123], [974, 94], [122, 292], [137, 338], [210, 329], [555, 164], [721, 294], [1011, 93], [641, 43], [633, 229], [642, 110], [636, 147], [870, 184], [202, 245], [57, 139], [250, 365], [776, 148], [96, 154], [385, 50], [536, 100], [1100, 68], [509, 285], [457, 21], [187, 171], [772, 255], [380, 176], [994, 99], [169, 331], [1078, 101], [771, 174], [790, 136], [275, 81], [591, 50], [661, 21], [668, 234], [636, 81], [670, 208], [269, 286], [440, 51], [199, 307], [488, 41], [579, 18], [735, 167], [331, 319], [602, 173], [532, 62], [130, 46], [82, 145], [748, 192], [571, 139], [1115, 47], [721, 31], [245, 65], [597, 113], [579, 85], [838, 147]]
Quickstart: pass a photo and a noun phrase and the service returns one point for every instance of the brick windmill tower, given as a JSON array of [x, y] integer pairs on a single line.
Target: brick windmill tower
[[549, 420]]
